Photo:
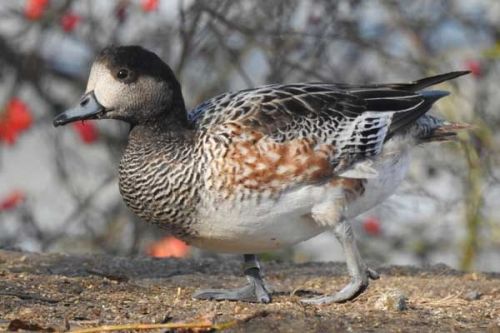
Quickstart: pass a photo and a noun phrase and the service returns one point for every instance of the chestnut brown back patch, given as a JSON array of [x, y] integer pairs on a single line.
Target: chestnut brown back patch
[[256, 162]]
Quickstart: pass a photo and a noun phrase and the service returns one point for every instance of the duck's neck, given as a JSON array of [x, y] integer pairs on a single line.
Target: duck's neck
[[157, 174], [170, 138]]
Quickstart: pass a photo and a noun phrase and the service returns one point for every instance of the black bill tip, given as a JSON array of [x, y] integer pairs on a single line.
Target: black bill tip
[[88, 108], [61, 119]]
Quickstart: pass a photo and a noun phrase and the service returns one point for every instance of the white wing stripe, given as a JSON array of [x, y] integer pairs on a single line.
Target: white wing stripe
[[414, 107]]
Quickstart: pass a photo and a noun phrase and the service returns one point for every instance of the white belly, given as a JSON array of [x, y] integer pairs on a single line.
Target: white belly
[[268, 225]]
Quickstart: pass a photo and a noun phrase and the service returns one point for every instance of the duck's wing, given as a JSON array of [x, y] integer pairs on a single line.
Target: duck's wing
[[354, 121]]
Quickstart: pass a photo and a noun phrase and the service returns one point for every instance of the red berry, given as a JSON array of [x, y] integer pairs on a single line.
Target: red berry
[[121, 10], [371, 225], [20, 117], [16, 119], [69, 21], [12, 200], [41, 3], [8, 134], [87, 131], [149, 5], [34, 9], [475, 67], [168, 247]]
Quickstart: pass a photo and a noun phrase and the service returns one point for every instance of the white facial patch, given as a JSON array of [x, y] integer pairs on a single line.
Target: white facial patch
[[146, 94], [107, 89]]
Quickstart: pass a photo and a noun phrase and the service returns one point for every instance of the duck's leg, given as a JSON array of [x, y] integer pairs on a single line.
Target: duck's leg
[[360, 274], [254, 291]]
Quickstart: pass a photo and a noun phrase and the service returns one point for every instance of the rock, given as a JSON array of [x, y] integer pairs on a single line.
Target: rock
[[473, 295], [392, 301]]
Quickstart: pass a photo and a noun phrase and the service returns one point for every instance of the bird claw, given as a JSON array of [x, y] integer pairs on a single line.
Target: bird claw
[[372, 274]]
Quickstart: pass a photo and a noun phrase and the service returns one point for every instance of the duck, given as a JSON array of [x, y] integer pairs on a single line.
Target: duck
[[264, 168]]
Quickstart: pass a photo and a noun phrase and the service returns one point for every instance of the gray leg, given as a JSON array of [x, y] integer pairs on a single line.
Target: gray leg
[[254, 291], [360, 274]]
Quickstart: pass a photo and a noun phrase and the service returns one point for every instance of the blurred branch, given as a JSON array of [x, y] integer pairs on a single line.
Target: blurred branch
[[187, 34], [233, 56], [473, 204]]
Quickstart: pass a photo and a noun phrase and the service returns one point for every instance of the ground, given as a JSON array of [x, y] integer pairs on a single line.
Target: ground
[[53, 292]]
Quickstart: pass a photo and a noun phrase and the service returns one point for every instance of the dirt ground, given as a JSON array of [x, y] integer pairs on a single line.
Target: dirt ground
[[53, 292]]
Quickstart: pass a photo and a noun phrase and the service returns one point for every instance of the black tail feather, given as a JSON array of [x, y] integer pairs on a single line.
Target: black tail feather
[[402, 120], [432, 80]]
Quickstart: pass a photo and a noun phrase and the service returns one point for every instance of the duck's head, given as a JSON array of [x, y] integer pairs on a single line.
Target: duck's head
[[131, 84]]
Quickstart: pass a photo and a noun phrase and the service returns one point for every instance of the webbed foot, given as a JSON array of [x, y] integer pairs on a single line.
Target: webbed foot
[[255, 291]]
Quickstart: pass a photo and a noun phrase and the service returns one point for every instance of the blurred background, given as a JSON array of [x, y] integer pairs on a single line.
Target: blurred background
[[58, 188]]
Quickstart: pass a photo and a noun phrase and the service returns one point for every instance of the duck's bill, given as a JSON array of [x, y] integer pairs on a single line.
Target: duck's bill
[[88, 108]]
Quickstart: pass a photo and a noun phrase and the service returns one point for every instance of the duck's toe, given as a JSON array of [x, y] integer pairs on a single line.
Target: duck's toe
[[357, 285], [253, 292], [349, 292]]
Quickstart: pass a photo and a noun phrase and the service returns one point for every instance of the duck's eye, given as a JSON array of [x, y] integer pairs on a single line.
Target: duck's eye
[[122, 74]]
